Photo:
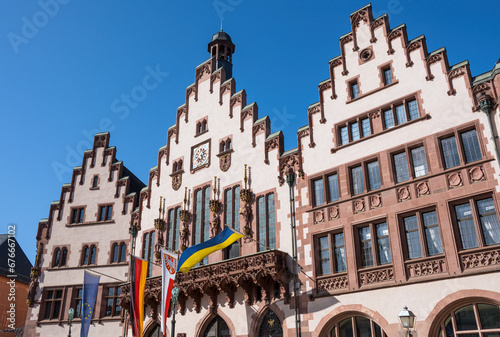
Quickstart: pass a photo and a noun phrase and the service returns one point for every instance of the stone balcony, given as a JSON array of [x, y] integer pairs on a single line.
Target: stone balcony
[[262, 276]]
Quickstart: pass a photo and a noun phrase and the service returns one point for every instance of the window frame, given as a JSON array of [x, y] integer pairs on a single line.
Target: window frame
[[108, 212], [235, 214], [348, 125], [115, 298], [366, 178], [353, 83], [332, 253], [121, 257], [392, 107], [456, 133], [61, 261], [77, 215], [173, 228], [151, 249], [90, 247], [326, 188], [424, 244], [374, 244], [52, 300], [472, 201], [267, 218], [407, 149]]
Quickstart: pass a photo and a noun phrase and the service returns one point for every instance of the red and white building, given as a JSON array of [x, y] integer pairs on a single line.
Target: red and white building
[[395, 200]]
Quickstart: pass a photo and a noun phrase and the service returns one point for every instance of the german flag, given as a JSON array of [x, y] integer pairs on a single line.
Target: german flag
[[138, 271]]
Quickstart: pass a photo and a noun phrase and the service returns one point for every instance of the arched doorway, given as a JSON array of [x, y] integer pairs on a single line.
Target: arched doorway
[[154, 332], [271, 326], [217, 328]]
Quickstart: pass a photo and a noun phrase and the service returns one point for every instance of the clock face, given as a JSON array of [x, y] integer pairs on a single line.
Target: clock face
[[200, 155]]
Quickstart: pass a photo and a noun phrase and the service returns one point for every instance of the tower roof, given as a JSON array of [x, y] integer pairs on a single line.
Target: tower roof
[[221, 36]]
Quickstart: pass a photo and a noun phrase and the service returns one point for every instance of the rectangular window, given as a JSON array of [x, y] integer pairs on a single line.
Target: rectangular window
[[112, 300], [53, 304], [413, 109], [319, 193], [148, 249], [324, 253], [401, 114], [333, 188], [266, 222], [358, 186], [450, 152], [373, 175], [365, 127], [333, 243], [173, 228], [354, 90], [354, 131], [201, 230], [387, 76], [78, 302], [471, 146], [232, 218], [419, 161], [401, 167], [423, 237], [486, 226], [344, 136], [374, 250], [388, 119], [105, 212], [77, 215]]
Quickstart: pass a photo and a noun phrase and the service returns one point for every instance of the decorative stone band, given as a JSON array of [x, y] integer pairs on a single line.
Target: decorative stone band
[[333, 283], [259, 275], [480, 258], [433, 266], [383, 274]]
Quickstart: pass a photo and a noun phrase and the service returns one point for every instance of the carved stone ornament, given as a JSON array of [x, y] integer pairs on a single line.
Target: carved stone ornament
[[359, 16], [333, 213], [333, 283], [433, 267], [375, 201], [422, 188], [481, 259], [176, 181], [413, 46], [225, 162], [434, 59], [404, 193], [376, 276], [455, 180], [319, 216], [359, 205], [476, 174]]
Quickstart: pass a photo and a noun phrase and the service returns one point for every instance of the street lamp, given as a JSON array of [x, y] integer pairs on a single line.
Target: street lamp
[[70, 319], [407, 318], [173, 302]]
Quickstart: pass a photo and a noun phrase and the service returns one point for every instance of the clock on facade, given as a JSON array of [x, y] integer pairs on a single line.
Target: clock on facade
[[200, 155]]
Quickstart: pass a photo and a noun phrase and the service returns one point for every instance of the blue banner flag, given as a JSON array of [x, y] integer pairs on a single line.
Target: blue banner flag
[[194, 254], [90, 285]]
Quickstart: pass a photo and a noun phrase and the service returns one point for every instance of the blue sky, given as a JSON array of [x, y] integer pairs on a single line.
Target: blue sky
[[61, 79]]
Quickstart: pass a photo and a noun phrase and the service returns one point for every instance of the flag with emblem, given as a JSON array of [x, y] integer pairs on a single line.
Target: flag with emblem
[[169, 267], [138, 272], [90, 285]]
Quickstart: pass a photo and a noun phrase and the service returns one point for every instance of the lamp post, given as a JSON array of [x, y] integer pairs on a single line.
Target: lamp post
[[290, 179], [173, 302], [407, 318], [70, 319]]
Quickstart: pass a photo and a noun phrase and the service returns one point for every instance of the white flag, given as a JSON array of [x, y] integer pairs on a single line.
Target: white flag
[[169, 266]]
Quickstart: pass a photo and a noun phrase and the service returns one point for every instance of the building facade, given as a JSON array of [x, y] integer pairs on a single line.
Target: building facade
[[393, 189]]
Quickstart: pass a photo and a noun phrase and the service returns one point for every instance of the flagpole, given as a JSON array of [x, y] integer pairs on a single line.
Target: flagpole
[[133, 232]]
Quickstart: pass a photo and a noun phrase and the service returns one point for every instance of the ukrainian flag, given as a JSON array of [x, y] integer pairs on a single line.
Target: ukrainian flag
[[194, 254]]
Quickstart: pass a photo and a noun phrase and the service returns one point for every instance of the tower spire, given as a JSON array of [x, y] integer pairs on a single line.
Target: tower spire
[[221, 26]]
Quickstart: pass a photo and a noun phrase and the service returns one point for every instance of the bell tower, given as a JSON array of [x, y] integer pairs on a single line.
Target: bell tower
[[222, 49]]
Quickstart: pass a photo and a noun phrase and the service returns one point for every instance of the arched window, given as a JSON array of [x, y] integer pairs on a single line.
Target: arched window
[[221, 52], [201, 230], [222, 146], [476, 318], [198, 127], [64, 256], [93, 252], [123, 251], [57, 257], [228, 144], [271, 326], [356, 326], [95, 181], [217, 328], [175, 167], [85, 255], [204, 126], [115, 251], [266, 222], [179, 165]]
